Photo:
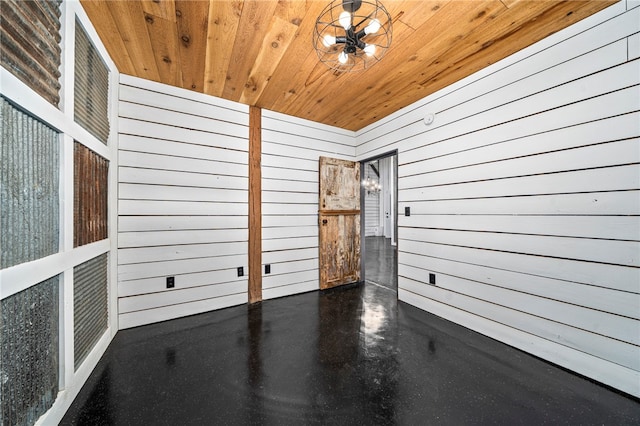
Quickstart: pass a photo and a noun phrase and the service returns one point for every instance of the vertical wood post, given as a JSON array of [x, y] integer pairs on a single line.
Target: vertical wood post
[[255, 205]]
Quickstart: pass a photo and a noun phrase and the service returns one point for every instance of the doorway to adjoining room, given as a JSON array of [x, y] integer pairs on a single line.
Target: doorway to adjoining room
[[379, 220]]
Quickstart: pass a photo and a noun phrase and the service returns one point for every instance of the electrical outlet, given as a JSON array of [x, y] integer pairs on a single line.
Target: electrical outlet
[[171, 282], [240, 271], [432, 279], [407, 211], [267, 269]]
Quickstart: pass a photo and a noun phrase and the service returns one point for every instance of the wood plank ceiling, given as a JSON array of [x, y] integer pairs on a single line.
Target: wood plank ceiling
[[259, 52]]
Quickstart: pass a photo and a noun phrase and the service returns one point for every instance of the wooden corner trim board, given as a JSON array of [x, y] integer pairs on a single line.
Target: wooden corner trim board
[[255, 205]]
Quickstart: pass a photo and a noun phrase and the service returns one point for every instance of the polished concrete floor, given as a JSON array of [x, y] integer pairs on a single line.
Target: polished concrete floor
[[347, 356], [381, 262]]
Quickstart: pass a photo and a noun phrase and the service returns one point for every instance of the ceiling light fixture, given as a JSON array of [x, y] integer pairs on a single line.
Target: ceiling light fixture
[[371, 185], [352, 35]]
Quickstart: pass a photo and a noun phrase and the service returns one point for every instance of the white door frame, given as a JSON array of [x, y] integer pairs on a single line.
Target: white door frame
[[393, 185]]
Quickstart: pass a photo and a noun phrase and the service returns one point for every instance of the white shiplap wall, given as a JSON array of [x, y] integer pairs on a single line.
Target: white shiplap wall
[[291, 148], [525, 198], [183, 202]]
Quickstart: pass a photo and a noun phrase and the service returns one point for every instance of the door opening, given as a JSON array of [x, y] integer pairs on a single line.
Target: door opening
[[379, 205]]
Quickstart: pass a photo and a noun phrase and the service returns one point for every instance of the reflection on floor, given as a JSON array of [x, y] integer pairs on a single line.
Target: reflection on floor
[[348, 356], [381, 262]]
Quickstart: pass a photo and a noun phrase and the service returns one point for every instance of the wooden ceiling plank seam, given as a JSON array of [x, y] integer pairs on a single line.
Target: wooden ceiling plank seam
[[254, 21], [284, 84], [109, 34], [298, 97], [292, 11], [414, 17], [129, 19], [224, 18], [535, 28], [192, 22], [295, 12], [504, 47], [273, 48], [484, 35], [541, 26], [163, 34], [164, 9], [466, 62], [461, 43], [454, 66], [287, 92]]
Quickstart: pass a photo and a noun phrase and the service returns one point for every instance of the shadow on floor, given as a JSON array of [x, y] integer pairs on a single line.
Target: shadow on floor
[[346, 356]]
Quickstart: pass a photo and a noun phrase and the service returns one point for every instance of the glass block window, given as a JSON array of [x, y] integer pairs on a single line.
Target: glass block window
[[90, 310], [29, 336], [29, 188], [30, 47], [91, 98], [91, 174]]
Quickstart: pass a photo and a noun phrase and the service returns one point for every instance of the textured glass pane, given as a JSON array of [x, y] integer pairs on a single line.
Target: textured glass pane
[[29, 368], [91, 102], [29, 188], [89, 305]]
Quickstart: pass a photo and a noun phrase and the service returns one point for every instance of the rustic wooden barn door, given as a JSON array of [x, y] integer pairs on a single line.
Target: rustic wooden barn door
[[339, 221]]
